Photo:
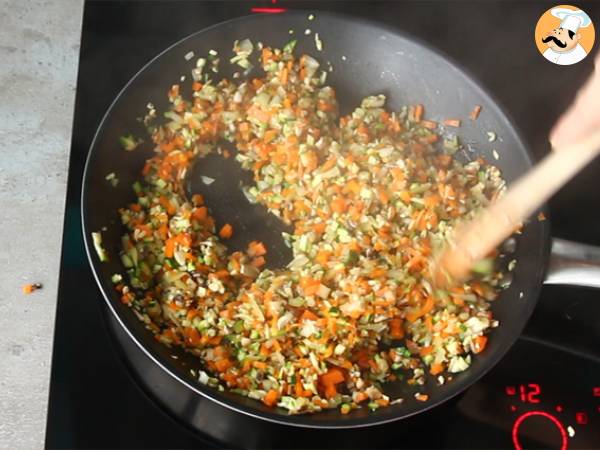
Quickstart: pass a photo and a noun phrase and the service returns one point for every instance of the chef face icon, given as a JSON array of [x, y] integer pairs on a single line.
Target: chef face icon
[[564, 35], [561, 40]]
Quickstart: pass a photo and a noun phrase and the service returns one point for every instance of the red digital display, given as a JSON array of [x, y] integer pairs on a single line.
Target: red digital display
[[581, 418], [528, 393], [596, 391], [270, 10], [515, 431]]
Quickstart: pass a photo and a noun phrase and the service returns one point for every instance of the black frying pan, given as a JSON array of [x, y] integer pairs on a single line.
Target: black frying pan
[[377, 60]]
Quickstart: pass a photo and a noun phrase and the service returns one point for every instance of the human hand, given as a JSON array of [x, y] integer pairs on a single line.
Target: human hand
[[583, 115]]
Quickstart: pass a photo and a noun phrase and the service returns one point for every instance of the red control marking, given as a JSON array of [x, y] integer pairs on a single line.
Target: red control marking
[[515, 431]]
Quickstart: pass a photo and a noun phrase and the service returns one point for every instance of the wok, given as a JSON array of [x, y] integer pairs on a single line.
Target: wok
[[377, 60]]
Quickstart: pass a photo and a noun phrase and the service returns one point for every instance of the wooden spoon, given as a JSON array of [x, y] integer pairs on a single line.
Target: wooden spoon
[[473, 240]]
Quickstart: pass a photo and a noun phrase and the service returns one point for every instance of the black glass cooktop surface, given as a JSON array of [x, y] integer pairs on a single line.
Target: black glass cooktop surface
[[544, 394]]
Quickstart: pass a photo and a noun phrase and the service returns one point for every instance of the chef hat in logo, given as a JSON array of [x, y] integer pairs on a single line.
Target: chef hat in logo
[[571, 19]]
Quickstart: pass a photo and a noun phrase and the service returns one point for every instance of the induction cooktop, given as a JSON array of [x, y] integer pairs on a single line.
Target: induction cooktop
[[544, 394]]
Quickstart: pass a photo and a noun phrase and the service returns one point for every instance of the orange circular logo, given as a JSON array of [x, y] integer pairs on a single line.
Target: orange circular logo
[[564, 35]]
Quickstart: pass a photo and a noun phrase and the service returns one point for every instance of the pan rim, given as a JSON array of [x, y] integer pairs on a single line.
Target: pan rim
[[304, 421]]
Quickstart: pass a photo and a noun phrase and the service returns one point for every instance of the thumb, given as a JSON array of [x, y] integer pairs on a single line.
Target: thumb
[[582, 116]]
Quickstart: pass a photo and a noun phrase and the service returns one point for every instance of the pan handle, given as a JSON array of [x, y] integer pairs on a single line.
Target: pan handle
[[574, 264]]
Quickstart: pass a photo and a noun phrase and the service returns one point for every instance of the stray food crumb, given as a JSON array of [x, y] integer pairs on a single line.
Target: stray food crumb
[[571, 431], [491, 136], [421, 397], [290, 31], [521, 294], [189, 55], [129, 143], [29, 288], [213, 52], [475, 113], [311, 17], [344, 58], [396, 401], [496, 155], [182, 78], [452, 123], [112, 179], [307, 31], [116, 278], [512, 264], [541, 217], [441, 380], [318, 42]]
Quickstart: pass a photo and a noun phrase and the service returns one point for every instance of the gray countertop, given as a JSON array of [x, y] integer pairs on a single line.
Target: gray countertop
[[39, 48]]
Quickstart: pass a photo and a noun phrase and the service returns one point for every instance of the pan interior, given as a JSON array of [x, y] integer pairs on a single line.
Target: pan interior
[[367, 59]]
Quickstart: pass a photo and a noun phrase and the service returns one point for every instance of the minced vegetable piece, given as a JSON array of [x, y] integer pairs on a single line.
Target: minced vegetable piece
[[129, 143], [97, 239], [369, 195], [29, 288]]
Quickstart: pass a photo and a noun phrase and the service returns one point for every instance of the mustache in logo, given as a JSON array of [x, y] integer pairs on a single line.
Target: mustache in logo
[[555, 40]]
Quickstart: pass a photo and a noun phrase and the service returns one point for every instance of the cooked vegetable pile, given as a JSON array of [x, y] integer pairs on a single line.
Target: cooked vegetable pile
[[370, 197]]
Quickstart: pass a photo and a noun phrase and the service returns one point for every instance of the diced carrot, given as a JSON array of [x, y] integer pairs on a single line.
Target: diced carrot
[[360, 397], [429, 124], [424, 351], [165, 203], [480, 343], [396, 329], [452, 122], [333, 376], [475, 112], [267, 55], [270, 135], [405, 196], [198, 199], [223, 364], [436, 369], [200, 213], [426, 308], [29, 288], [259, 261], [431, 201], [192, 336], [196, 86], [352, 186], [322, 105], [330, 391], [260, 365], [270, 399], [170, 248], [226, 231], [319, 228], [418, 113], [256, 248], [383, 197], [338, 205], [309, 315], [323, 257], [283, 76]]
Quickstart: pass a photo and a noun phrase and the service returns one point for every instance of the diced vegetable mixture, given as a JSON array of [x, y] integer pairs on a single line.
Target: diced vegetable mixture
[[370, 196]]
